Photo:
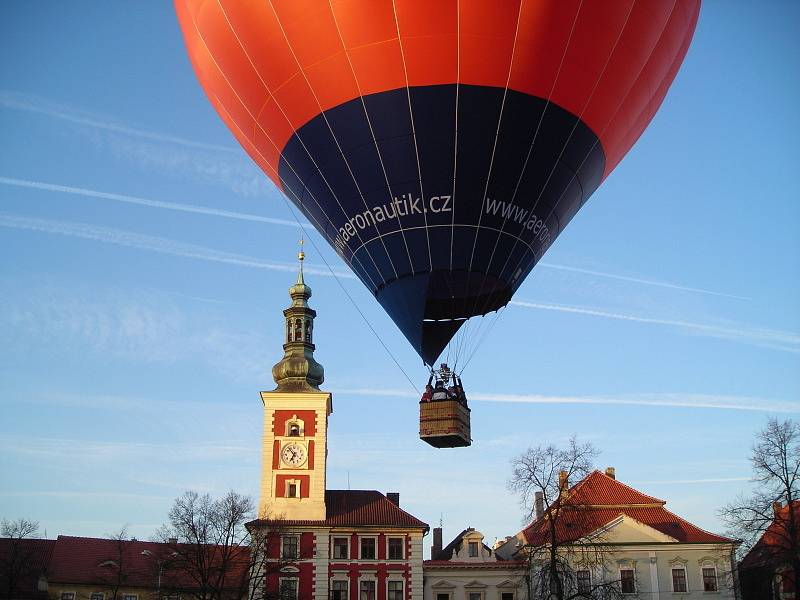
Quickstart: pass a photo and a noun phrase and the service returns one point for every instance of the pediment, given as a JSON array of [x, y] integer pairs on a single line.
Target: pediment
[[475, 584], [626, 529], [443, 584], [506, 584]]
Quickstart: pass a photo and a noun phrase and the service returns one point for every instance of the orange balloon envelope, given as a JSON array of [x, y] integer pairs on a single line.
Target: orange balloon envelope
[[440, 146]]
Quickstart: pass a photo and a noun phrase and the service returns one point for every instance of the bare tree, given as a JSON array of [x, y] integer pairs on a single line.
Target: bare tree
[[19, 559], [768, 520], [209, 554], [117, 566], [562, 545]]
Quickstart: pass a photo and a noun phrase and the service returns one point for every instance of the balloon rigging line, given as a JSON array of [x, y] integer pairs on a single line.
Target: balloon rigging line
[[413, 135], [338, 145], [455, 139], [374, 141], [524, 166], [280, 108], [687, 37], [350, 298], [533, 144]]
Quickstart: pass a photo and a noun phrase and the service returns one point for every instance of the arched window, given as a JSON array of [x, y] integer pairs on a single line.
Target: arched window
[[298, 330], [294, 430], [288, 330]]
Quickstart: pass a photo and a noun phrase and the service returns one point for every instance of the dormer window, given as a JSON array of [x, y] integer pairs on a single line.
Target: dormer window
[[473, 549]]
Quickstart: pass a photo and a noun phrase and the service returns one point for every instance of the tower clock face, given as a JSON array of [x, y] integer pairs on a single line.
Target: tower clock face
[[293, 454]]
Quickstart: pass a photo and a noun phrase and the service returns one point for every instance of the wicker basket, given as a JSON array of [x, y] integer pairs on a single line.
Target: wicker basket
[[444, 423]]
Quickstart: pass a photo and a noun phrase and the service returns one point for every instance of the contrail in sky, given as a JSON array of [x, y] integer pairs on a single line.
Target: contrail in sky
[[647, 400], [153, 243], [33, 104], [191, 208], [775, 339], [664, 284]]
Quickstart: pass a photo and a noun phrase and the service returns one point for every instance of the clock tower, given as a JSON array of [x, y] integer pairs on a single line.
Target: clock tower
[[296, 414]]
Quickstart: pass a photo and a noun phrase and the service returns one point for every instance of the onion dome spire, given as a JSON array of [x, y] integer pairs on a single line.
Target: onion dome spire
[[297, 370]]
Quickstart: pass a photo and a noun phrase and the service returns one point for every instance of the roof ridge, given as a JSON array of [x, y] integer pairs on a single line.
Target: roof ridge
[[625, 485]]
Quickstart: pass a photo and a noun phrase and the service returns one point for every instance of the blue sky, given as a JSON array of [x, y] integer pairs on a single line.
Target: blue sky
[[146, 261]]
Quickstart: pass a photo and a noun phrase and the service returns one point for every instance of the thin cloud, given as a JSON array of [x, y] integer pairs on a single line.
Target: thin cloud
[[712, 401], [35, 104], [191, 208], [154, 244], [770, 338], [653, 282]]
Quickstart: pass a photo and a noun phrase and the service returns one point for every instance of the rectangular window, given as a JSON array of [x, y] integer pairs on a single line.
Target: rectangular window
[[442, 596], [368, 548], [395, 548], [97, 596], [584, 578], [292, 490], [340, 547], [367, 590], [709, 579], [627, 584], [288, 589], [474, 596], [130, 597], [507, 596], [339, 590], [679, 580], [473, 549], [290, 546], [67, 595], [395, 590]]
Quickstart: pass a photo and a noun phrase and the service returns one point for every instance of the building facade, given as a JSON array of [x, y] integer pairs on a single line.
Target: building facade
[[468, 569], [633, 542], [337, 544]]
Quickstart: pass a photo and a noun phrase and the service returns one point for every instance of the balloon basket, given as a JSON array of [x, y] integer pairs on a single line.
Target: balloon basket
[[444, 423]]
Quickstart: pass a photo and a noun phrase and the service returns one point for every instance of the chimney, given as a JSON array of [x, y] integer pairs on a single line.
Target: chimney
[[539, 505], [611, 472], [393, 497], [436, 548], [173, 540], [776, 507], [563, 481]]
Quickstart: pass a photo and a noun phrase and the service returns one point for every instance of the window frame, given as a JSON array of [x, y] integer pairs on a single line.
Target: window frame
[[588, 580], [295, 584], [389, 548], [346, 548], [476, 546], [474, 595], [672, 571], [68, 595], [512, 594], [346, 583], [297, 485], [296, 539], [130, 596], [709, 566], [389, 591], [632, 580], [97, 596], [369, 582], [361, 540]]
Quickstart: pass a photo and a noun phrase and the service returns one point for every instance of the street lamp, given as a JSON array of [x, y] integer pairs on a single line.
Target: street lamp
[[160, 562]]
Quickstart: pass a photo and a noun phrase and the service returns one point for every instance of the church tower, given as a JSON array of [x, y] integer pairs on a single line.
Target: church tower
[[295, 444]]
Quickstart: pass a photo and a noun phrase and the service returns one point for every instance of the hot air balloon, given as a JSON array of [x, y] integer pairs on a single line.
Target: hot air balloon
[[439, 146]]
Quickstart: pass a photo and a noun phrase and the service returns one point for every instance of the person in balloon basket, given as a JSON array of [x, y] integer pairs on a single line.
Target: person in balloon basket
[[427, 395]]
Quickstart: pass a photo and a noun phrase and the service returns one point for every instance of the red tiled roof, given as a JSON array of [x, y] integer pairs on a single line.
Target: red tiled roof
[[598, 499], [354, 508], [774, 542], [78, 560], [598, 489], [36, 554]]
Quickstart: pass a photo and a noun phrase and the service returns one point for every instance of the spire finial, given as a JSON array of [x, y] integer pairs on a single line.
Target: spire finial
[[301, 256]]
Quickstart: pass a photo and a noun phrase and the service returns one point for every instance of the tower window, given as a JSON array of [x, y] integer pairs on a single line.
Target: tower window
[[288, 330], [293, 489], [298, 330], [294, 430], [308, 330]]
